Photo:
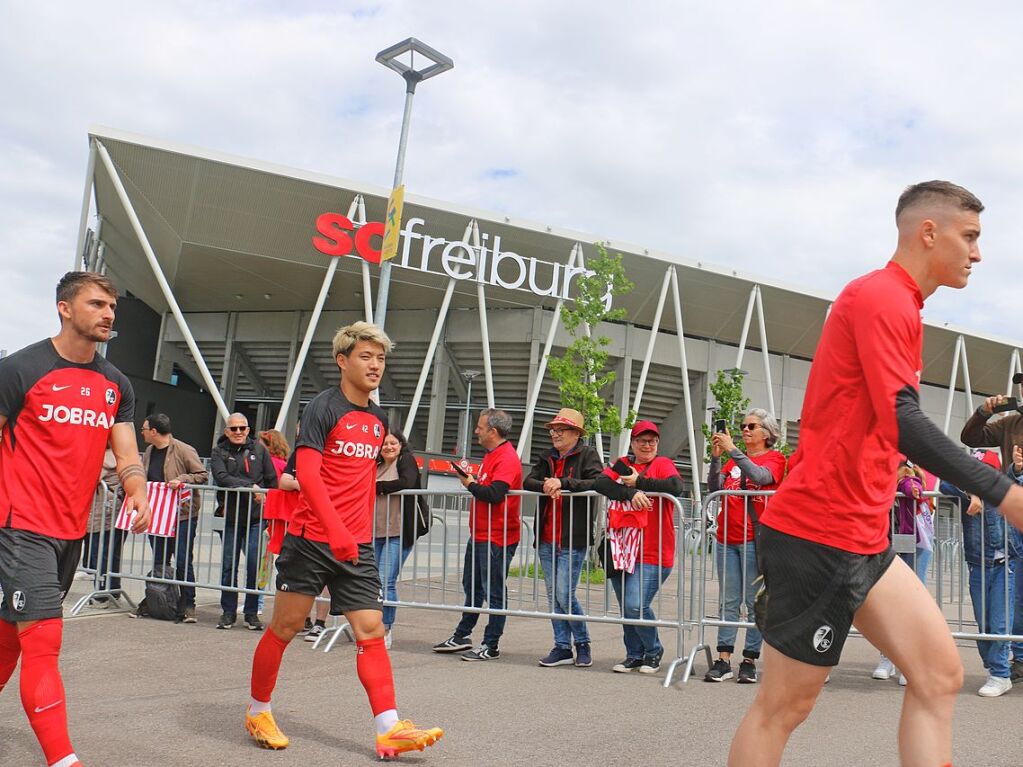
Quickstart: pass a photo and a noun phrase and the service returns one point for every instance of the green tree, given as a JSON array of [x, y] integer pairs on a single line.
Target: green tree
[[581, 372], [732, 405]]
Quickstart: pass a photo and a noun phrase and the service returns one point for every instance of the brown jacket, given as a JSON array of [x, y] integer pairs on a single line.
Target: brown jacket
[[1003, 433], [182, 463]]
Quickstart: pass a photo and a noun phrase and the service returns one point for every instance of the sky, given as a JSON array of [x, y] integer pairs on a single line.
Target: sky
[[771, 138]]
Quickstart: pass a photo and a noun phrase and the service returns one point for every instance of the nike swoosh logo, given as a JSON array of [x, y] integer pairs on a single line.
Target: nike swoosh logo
[[61, 388], [41, 709], [351, 426]]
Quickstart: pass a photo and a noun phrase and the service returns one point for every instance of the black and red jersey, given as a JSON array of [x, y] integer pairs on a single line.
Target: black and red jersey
[[349, 437], [841, 480], [59, 415]]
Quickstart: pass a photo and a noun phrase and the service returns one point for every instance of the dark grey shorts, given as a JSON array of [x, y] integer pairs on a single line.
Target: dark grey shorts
[[306, 567], [809, 594], [36, 572]]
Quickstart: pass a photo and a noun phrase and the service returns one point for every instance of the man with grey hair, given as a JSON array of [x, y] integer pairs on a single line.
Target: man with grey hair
[[493, 536], [240, 462]]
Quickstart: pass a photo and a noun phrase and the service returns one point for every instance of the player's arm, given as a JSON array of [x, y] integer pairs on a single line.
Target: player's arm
[[131, 474], [308, 463]]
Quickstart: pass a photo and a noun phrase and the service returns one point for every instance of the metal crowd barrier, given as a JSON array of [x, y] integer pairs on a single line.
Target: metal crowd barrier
[[946, 575]]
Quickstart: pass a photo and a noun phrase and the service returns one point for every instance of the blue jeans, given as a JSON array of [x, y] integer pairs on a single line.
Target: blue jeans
[[390, 557], [182, 551], [918, 562], [1017, 613], [483, 580], [989, 607], [98, 553], [561, 570], [236, 538], [639, 588], [737, 571]]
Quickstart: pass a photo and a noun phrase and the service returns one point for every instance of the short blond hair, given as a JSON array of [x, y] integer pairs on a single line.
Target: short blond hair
[[347, 337]]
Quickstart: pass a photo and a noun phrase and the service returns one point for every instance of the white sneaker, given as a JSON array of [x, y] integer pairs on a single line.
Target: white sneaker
[[995, 686], [885, 669], [387, 640], [902, 680]]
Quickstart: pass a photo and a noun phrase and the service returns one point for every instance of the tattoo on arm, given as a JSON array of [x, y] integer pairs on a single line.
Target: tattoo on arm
[[130, 471]]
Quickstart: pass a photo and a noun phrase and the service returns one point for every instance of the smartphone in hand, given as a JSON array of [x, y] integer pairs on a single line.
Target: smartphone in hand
[[459, 470], [1010, 404], [720, 427]]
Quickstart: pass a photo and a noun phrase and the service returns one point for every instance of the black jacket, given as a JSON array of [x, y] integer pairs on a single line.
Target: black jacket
[[240, 466], [579, 473], [415, 512]]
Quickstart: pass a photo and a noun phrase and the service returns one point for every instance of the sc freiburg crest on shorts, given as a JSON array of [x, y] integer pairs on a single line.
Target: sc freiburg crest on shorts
[[18, 601], [822, 639]]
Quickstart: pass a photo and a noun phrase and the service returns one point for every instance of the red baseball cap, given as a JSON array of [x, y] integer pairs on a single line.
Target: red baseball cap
[[642, 427], [990, 457]]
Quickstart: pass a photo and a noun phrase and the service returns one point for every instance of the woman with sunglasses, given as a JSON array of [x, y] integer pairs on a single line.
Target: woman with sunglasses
[[755, 467]]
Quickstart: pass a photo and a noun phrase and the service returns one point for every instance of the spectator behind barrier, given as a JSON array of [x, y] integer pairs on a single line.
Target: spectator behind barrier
[[278, 447], [397, 522], [172, 461], [103, 541], [238, 461], [639, 550], [493, 537], [564, 529], [756, 467], [992, 550]]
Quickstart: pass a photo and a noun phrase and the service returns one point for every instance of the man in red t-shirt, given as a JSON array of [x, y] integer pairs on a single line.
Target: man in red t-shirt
[[493, 537], [329, 543], [823, 546], [61, 404]]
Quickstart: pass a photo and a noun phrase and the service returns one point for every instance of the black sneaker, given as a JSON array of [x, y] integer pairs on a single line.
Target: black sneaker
[[627, 665], [306, 628], [747, 672], [483, 652], [650, 664], [252, 622], [583, 656], [559, 656], [453, 643], [719, 672], [314, 633], [1016, 672], [227, 620]]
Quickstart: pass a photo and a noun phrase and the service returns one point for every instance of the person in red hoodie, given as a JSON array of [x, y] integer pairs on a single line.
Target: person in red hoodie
[[641, 539], [756, 467], [330, 543]]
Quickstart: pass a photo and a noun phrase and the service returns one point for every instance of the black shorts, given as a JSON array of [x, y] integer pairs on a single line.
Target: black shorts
[[305, 567], [809, 594], [36, 572]]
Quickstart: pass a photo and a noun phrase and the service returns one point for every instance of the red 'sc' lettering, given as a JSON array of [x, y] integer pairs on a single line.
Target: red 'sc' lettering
[[363, 240], [334, 241]]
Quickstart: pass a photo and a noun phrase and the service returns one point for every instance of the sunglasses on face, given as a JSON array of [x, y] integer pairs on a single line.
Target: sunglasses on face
[[750, 426], [237, 428]]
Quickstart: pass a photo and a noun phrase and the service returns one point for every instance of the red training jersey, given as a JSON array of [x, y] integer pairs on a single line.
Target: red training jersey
[[498, 523], [59, 415], [349, 437], [736, 527], [840, 485], [658, 524]]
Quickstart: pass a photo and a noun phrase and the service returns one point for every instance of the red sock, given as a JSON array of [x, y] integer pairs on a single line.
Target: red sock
[[374, 667], [266, 662], [42, 690], [10, 649]]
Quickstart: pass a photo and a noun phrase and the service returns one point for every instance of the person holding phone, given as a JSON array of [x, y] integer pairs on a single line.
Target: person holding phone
[[755, 467], [641, 539]]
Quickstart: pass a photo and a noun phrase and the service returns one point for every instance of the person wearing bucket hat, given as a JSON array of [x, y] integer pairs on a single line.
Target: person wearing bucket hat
[[640, 540], [565, 529]]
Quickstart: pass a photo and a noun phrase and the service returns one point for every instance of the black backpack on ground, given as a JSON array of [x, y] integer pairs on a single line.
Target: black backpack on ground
[[162, 599]]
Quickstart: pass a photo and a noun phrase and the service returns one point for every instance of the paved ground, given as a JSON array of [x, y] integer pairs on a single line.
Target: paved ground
[[145, 693]]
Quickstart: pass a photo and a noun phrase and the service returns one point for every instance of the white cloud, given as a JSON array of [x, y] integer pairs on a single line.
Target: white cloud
[[773, 138]]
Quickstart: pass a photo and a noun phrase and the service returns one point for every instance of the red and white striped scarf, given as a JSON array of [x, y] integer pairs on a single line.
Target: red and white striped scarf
[[164, 503]]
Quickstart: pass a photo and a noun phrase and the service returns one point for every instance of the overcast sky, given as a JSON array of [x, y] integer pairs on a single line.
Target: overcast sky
[[773, 138]]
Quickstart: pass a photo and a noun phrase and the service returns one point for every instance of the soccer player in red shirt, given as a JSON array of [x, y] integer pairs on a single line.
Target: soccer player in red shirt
[[330, 543], [823, 546], [60, 405]]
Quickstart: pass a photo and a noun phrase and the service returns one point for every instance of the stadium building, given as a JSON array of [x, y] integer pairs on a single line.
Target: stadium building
[[237, 272]]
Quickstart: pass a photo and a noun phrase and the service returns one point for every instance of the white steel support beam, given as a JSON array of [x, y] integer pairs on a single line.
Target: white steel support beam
[[367, 289], [488, 372], [534, 391], [652, 340], [767, 355], [1015, 366], [745, 326], [161, 280], [694, 456], [952, 382], [310, 332], [83, 221]]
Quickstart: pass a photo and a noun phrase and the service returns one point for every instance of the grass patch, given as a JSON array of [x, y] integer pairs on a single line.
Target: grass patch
[[590, 573]]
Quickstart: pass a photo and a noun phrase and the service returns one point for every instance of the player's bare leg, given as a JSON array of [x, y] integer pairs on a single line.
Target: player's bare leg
[[901, 619], [394, 736], [288, 617], [787, 693]]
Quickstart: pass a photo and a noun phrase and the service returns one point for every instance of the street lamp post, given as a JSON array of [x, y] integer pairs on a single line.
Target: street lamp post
[[412, 77], [468, 375]]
